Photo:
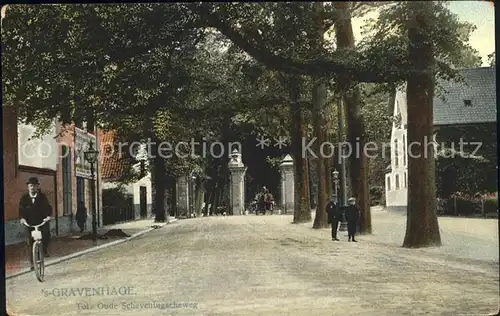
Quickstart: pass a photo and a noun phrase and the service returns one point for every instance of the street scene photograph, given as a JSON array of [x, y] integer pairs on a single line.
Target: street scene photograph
[[250, 158]]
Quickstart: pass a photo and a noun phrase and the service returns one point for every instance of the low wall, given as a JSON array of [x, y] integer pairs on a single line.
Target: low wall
[[14, 231], [396, 200], [396, 208]]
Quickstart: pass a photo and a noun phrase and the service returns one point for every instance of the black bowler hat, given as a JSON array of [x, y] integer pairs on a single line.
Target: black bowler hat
[[33, 180]]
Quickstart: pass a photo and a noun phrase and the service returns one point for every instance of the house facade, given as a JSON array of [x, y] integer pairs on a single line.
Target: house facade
[[460, 109], [50, 158], [116, 165]]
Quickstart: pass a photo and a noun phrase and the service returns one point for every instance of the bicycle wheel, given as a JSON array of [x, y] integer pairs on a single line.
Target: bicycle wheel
[[38, 260]]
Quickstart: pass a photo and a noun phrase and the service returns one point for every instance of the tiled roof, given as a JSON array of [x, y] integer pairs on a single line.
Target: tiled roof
[[113, 164], [480, 89]]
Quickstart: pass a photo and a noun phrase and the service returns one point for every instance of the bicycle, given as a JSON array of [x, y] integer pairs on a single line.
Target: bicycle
[[37, 250]]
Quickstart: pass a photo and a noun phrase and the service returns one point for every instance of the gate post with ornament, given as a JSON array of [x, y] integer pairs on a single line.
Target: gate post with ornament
[[237, 184], [287, 185]]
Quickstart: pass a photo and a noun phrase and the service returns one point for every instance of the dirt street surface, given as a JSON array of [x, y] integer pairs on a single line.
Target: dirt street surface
[[264, 265]]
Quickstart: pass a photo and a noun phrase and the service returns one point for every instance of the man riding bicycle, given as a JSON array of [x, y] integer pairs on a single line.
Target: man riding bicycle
[[34, 208]]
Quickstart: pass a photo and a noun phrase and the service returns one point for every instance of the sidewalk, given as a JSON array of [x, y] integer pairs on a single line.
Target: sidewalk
[[16, 256]]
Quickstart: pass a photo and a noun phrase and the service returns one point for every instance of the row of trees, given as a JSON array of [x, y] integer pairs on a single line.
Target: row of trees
[[189, 70]]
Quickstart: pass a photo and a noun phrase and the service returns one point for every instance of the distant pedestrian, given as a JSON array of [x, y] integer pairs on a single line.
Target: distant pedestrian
[[334, 217], [268, 201], [352, 215], [261, 200], [81, 216]]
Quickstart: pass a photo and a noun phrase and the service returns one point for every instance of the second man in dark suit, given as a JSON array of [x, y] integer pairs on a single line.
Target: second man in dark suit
[[334, 216]]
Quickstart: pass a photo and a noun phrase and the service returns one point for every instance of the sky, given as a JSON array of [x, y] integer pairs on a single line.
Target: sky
[[479, 13]]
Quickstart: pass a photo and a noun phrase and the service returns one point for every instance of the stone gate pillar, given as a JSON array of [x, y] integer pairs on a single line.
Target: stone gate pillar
[[237, 184], [182, 196], [287, 185]]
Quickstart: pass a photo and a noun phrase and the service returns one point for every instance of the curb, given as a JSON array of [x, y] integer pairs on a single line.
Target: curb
[[86, 251]]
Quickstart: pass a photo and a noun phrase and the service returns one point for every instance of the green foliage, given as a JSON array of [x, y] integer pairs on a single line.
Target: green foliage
[[491, 205], [464, 204], [378, 125], [386, 41], [462, 172], [377, 119], [187, 81], [464, 175], [116, 197], [492, 59], [377, 195], [382, 57]]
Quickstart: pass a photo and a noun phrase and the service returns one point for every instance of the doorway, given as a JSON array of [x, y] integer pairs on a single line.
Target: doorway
[[143, 202]]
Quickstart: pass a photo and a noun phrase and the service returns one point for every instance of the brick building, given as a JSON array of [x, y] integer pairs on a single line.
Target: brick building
[[51, 159]]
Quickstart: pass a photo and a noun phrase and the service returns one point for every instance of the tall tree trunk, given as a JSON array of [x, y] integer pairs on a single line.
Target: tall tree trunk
[[328, 161], [170, 184], [175, 210], [153, 192], [312, 182], [200, 196], [319, 95], [328, 177], [209, 197], [160, 188], [213, 199], [220, 194], [90, 119], [422, 228], [358, 166], [302, 210], [159, 172]]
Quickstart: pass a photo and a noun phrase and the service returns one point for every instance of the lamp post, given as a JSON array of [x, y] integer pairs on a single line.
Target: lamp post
[[335, 174], [343, 199], [341, 161], [91, 156], [193, 195]]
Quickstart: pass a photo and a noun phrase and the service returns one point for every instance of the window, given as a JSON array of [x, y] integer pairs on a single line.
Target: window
[[404, 150], [396, 154], [468, 102], [397, 181], [80, 190], [406, 181], [388, 179], [67, 181]]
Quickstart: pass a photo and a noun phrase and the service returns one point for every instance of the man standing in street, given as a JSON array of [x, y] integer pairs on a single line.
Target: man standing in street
[[334, 217], [34, 208], [352, 215]]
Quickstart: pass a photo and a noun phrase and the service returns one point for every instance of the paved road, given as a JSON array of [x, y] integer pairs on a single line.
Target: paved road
[[248, 265]]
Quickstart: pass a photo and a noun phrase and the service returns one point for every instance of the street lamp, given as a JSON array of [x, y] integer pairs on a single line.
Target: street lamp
[[91, 156], [336, 180]]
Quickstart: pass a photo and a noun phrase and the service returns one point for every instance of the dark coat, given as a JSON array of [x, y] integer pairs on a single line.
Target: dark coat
[[333, 212], [34, 213], [352, 213]]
